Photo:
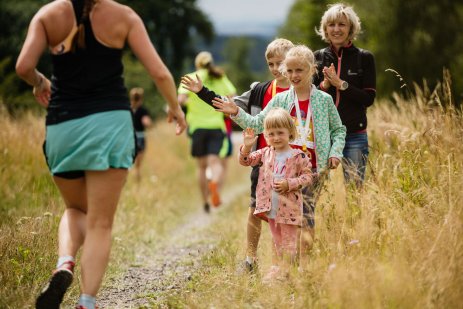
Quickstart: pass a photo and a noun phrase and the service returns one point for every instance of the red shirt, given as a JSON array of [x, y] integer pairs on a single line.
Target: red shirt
[[228, 124], [261, 143], [304, 107]]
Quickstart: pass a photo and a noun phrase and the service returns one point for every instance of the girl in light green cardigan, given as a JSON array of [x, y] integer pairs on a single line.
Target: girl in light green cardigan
[[329, 133]]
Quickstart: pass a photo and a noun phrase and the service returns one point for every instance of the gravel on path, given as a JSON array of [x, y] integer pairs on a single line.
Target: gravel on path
[[152, 277]]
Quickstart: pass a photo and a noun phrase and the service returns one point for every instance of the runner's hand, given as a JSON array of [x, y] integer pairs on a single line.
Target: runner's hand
[[42, 91], [178, 116]]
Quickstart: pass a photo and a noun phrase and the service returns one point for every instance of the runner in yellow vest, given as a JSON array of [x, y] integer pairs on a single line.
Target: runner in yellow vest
[[206, 127]]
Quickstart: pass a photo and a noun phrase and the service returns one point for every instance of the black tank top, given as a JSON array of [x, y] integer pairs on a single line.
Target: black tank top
[[88, 80]]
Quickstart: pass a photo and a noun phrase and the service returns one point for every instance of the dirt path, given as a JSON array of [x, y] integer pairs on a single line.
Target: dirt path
[[168, 267]]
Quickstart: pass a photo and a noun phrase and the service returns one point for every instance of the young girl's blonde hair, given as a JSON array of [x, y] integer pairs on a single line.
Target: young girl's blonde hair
[[304, 55], [278, 118]]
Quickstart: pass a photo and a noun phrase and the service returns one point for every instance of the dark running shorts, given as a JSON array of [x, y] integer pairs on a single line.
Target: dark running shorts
[[206, 142]]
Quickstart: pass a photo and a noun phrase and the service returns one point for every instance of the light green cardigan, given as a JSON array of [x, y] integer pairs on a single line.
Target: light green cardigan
[[330, 133]]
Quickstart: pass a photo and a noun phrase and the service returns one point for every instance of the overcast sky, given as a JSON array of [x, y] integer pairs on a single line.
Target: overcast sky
[[246, 16]]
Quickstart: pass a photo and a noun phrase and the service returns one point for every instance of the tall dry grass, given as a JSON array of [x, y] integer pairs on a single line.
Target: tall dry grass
[[396, 244], [30, 207], [27, 203]]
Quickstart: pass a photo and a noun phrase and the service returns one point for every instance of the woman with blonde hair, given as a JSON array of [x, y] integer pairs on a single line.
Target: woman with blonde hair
[[348, 74]]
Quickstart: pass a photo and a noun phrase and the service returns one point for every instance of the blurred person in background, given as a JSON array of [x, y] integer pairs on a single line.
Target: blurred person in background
[[141, 121], [207, 129]]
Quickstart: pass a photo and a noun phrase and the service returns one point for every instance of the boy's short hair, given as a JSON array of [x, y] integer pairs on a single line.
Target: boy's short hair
[[278, 47], [280, 118]]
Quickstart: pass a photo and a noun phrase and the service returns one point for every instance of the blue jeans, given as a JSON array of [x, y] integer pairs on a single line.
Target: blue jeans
[[355, 157]]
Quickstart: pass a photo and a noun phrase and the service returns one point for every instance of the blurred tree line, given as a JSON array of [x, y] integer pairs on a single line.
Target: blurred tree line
[[415, 38], [171, 24]]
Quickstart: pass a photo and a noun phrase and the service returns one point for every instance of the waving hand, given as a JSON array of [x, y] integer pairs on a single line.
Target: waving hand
[[225, 107], [190, 84]]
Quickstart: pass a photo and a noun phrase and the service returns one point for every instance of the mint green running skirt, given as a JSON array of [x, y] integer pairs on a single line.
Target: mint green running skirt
[[96, 142]]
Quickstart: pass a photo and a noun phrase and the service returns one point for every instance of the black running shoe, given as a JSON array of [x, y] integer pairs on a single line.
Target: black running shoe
[[53, 293]]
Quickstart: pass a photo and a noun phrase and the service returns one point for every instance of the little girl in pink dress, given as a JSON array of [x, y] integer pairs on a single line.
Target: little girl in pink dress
[[284, 171]]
